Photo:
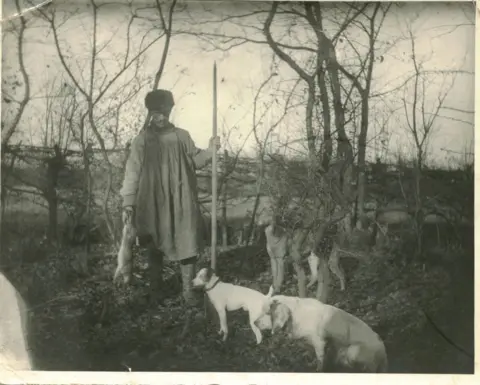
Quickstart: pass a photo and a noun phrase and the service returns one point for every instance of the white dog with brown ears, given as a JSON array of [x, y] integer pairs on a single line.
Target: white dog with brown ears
[[226, 296], [351, 342]]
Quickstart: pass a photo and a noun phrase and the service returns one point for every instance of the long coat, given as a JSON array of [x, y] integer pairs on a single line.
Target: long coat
[[161, 183]]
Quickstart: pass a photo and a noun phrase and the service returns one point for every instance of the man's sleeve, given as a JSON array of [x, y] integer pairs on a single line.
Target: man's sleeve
[[199, 156]]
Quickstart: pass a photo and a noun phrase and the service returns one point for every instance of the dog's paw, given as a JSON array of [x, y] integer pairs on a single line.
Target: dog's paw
[[223, 334], [319, 366]]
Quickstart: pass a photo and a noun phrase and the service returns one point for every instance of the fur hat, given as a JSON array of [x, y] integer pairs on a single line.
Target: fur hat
[[158, 99]]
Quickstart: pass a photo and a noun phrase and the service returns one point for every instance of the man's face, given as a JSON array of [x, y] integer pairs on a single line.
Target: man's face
[[160, 117]]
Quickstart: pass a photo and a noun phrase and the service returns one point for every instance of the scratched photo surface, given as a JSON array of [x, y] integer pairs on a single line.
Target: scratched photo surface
[[237, 186]]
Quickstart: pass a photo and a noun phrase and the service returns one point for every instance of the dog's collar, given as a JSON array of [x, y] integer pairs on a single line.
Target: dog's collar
[[215, 284]]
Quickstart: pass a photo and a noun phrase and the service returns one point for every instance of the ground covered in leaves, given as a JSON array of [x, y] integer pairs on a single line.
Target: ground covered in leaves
[[423, 313]]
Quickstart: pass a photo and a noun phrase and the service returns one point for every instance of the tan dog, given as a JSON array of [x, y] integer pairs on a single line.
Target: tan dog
[[351, 341], [282, 245], [226, 296]]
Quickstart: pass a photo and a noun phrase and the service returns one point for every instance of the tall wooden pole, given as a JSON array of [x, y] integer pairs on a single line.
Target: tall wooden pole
[[214, 173]]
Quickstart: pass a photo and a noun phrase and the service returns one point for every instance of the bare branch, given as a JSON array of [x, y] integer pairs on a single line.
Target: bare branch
[[168, 33], [458, 110], [348, 21], [282, 55], [237, 41], [7, 133]]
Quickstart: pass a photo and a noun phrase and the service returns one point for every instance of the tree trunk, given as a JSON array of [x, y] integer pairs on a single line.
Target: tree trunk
[[54, 166], [52, 215], [327, 120], [250, 231], [87, 154], [309, 124], [6, 171], [224, 202], [3, 197], [362, 148], [256, 204], [362, 139], [344, 150], [323, 283], [418, 205]]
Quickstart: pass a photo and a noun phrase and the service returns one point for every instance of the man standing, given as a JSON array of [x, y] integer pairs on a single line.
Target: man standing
[[160, 194]]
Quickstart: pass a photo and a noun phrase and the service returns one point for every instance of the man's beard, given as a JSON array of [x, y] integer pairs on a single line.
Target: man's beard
[[161, 125]]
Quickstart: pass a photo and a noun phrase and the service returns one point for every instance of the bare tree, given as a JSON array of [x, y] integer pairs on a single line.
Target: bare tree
[[420, 124], [9, 97], [20, 30], [260, 156], [372, 30], [61, 111], [311, 55], [262, 146]]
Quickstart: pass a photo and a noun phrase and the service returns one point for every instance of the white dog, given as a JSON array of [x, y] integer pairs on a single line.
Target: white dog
[[14, 347], [351, 341], [226, 296]]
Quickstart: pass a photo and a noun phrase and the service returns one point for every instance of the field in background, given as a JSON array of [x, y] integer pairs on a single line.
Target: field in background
[[75, 328], [446, 189], [79, 322]]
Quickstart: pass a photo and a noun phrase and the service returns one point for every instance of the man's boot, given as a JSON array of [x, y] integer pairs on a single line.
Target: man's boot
[[187, 268], [156, 294]]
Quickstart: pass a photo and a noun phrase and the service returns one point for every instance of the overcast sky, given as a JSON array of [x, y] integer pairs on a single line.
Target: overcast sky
[[444, 40]]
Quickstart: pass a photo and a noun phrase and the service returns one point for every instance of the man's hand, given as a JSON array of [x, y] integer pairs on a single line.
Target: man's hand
[[127, 214], [214, 143]]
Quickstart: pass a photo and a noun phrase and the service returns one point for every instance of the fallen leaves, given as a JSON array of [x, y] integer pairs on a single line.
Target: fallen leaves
[[137, 337]]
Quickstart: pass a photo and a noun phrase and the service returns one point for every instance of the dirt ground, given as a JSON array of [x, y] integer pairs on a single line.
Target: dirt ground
[[424, 315]]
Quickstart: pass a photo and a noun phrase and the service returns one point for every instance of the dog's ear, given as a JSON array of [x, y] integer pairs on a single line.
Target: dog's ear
[[266, 306], [273, 305], [270, 291], [281, 317], [210, 273]]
